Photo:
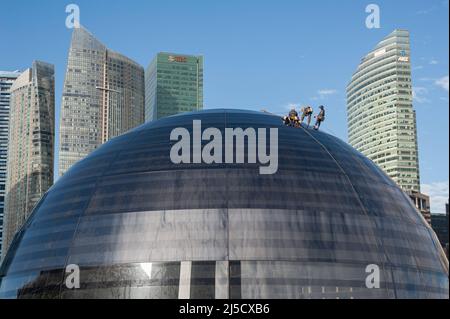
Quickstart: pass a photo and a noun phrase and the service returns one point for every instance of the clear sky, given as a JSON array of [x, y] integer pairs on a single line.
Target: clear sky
[[258, 54]]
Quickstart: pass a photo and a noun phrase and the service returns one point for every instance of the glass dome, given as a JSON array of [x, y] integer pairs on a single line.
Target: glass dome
[[139, 226]]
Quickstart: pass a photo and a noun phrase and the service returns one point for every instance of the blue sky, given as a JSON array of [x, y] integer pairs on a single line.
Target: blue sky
[[258, 54]]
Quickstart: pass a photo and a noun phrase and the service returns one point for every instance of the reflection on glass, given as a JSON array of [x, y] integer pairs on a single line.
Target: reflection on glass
[[147, 268]]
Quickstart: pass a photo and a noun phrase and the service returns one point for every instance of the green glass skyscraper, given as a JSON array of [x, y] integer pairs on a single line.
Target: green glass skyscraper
[[173, 84]]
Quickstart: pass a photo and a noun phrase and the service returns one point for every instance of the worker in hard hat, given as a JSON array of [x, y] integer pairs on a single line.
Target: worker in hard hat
[[307, 112], [293, 118], [320, 117]]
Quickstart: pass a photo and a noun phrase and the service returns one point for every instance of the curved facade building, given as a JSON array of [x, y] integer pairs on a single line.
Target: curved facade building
[[381, 118], [139, 226], [103, 97]]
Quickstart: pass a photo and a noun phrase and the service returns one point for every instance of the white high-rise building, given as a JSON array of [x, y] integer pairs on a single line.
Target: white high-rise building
[[30, 145], [380, 116]]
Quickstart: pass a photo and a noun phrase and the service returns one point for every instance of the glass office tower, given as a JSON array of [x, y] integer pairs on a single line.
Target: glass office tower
[[103, 97], [6, 80], [31, 140], [173, 84], [140, 226], [381, 118]]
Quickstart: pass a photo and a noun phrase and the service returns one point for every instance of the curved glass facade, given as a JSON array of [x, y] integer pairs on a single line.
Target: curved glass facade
[[139, 226]]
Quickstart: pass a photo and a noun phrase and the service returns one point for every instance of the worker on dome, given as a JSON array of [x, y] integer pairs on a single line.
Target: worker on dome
[[306, 112], [320, 117], [293, 118]]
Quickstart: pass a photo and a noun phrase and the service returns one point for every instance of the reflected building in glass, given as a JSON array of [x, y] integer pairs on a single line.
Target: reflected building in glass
[[103, 97], [140, 226], [380, 115], [31, 145], [7, 78], [173, 84]]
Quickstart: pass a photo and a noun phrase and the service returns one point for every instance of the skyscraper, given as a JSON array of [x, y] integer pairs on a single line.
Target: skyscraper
[[6, 81], [103, 97], [380, 115], [31, 139], [173, 84]]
